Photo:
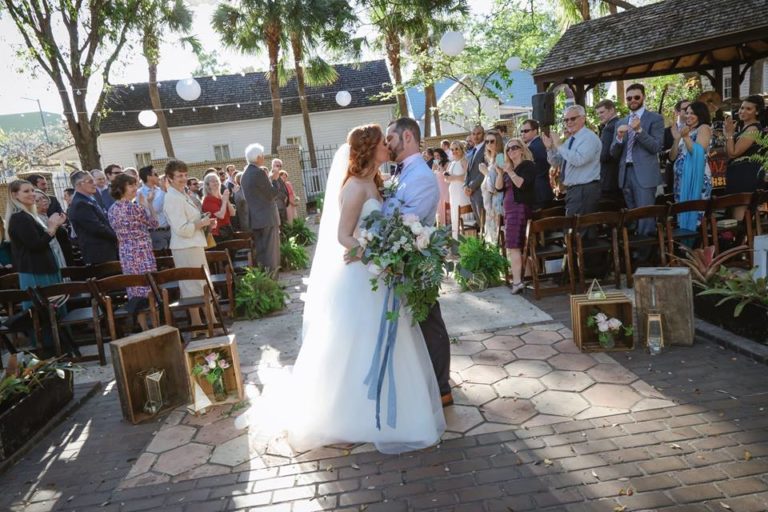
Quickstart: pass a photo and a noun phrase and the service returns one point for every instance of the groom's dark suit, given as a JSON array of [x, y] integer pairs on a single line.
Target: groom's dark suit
[[417, 193]]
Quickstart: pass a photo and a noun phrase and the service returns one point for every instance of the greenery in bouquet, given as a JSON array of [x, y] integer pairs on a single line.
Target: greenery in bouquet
[[212, 367], [299, 231], [25, 372], [480, 265], [293, 256], [406, 256], [258, 294]]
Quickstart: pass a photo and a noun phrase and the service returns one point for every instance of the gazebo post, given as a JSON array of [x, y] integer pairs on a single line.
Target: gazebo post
[[735, 81], [579, 92], [718, 85]]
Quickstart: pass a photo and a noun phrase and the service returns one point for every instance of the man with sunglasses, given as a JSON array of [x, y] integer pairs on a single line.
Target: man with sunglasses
[[578, 157], [638, 142], [474, 177], [609, 164], [529, 132]]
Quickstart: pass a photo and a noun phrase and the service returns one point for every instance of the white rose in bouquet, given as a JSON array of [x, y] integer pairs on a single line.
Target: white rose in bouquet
[[422, 241], [614, 324], [410, 218], [417, 228], [601, 318], [603, 326]]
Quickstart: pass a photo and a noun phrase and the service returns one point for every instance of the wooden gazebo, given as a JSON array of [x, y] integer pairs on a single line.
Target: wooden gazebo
[[674, 36]]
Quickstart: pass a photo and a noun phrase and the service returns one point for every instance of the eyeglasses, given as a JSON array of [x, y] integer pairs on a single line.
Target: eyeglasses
[[513, 148], [526, 130], [570, 119], [490, 141], [636, 98]]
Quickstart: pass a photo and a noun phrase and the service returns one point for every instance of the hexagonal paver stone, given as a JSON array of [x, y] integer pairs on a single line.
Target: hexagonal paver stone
[[559, 403], [528, 368], [576, 362], [233, 452], [567, 381], [509, 410], [541, 337], [483, 374], [518, 387], [535, 352], [183, 459], [459, 418], [612, 395], [458, 363], [473, 394], [612, 374], [503, 343], [218, 433], [567, 346], [170, 438], [494, 357], [480, 336], [466, 348]]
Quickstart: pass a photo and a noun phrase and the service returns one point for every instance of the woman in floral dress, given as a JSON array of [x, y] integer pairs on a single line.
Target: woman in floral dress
[[132, 222]]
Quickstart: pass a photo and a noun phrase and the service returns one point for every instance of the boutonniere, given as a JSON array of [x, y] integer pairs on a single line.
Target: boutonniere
[[388, 189]]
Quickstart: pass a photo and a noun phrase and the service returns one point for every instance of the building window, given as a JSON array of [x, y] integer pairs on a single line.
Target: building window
[[142, 159], [727, 87], [293, 141], [221, 152]]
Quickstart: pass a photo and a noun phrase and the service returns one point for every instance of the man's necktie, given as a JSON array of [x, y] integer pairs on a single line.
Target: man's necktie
[[565, 163], [398, 169], [631, 139]]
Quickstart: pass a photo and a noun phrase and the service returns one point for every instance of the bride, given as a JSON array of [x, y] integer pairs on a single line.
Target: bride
[[329, 398]]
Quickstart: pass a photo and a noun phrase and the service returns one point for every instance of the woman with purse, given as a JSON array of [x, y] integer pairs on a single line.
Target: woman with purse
[[218, 205]]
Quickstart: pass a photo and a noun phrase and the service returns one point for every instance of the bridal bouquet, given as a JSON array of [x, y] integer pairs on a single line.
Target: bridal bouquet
[[407, 257]]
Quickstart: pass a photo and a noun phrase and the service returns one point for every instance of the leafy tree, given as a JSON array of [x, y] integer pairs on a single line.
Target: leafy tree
[[252, 26], [73, 42], [211, 63], [20, 151], [156, 18]]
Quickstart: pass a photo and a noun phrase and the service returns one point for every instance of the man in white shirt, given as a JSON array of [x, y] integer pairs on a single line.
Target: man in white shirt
[[161, 236]]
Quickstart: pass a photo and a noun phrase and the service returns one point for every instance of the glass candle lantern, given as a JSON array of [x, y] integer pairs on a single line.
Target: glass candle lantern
[[153, 385]]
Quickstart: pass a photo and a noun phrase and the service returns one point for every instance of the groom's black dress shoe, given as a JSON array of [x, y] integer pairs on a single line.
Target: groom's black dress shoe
[[447, 399]]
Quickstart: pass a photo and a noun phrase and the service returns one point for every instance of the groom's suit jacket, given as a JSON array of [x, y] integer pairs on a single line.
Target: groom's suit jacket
[[417, 191]]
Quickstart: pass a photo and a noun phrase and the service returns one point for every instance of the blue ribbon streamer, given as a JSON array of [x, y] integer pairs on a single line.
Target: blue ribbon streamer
[[381, 366]]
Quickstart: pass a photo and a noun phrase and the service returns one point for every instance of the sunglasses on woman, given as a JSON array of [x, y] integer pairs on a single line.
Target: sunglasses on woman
[[513, 148]]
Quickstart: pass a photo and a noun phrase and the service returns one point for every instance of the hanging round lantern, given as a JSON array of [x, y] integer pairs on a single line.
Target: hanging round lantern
[[147, 118], [188, 89], [452, 43], [513, 63], [343, 98]]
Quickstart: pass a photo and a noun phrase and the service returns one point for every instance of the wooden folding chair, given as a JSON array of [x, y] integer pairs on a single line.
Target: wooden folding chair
[[106, 269], [62, 302], [676, 234], [164, 262], [759, 209], [206, 302], [630, 239], [222, 277], [605, 227], [468, 226], [744, 230], [112, 294], [9, 281], [537, 253], [240, 252], [83, 273], [15, 317]]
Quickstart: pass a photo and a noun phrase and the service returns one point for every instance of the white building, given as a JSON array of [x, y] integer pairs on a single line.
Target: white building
[[235, 110]]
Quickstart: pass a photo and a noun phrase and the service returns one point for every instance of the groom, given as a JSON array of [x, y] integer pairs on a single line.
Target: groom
[[417, 192]]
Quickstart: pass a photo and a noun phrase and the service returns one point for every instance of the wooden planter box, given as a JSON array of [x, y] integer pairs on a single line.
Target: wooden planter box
[[159, 348], [615, 304], [752, 323], [22, 420], [196, 351]]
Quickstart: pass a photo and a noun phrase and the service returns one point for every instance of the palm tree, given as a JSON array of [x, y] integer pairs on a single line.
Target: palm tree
[[252, 26], [156, 17], [308, 23]]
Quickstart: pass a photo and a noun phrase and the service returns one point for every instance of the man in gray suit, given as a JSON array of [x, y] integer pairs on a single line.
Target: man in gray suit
[[638, 142], [260, 196], [474, 177]]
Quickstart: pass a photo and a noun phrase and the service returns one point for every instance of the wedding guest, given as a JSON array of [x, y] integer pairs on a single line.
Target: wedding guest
[[439, 168], [42, 204], [455, 178], [69, 192], [529, 132], [743, 174], [100, 179], [669, 164], [95, 237], [132, 222], [693, 179], [518, 182], [264, 219], [429, 156], [493, 200], [293, 201], [445, 145], [281, 200], [131, 171], [151, 193], [218, 206], [188, 240], [63, 245], [39, 182], [241, 205], [112, 171], [474, 178]]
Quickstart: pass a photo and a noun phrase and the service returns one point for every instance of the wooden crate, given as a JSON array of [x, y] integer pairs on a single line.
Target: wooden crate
[[674, 300], [615, 304], [159, 348], [233, 381]]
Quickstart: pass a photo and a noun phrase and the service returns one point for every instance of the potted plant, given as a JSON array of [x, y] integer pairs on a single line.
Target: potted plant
[[32, 391], [480, 265], [607, 328]]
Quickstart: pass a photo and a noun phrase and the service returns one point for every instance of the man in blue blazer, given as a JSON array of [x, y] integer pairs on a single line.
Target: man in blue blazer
[[638, 142], [95, 237], [111, 171]]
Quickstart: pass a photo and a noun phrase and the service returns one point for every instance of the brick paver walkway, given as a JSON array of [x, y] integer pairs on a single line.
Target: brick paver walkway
[[540, 427]]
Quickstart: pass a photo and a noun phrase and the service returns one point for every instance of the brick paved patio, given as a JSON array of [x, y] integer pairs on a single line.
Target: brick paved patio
[[537, 426]]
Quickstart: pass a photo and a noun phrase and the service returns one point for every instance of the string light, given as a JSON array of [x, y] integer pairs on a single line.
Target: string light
[[213, 78], [123, 112], [170, 111], [132, 87], [79, 92], [216, 107], [238, 105], [194, 109]]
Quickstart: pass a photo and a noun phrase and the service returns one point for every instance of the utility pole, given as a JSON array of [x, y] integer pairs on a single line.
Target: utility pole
[[42, 117]]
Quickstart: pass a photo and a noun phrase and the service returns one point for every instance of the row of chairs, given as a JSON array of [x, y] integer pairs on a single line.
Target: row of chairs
[[551, 235]]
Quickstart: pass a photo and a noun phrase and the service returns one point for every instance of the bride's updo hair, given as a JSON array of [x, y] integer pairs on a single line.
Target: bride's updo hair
[[363, 141]]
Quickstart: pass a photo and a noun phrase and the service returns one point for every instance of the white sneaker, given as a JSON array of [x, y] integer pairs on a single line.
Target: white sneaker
[[518, 288]]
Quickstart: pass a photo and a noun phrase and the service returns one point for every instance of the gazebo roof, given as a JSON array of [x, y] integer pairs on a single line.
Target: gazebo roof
[[673, 36]]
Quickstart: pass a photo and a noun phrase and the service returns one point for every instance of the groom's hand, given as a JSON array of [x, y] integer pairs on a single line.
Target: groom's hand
[[353, 254]]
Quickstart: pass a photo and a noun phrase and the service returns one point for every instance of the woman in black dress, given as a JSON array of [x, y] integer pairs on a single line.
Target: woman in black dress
[[519, 178], [743, 174]]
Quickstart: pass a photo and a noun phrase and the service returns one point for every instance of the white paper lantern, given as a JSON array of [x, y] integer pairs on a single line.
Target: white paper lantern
[[452, 43], [343, 98], [147, 118], [513, 63], [188, 89]]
